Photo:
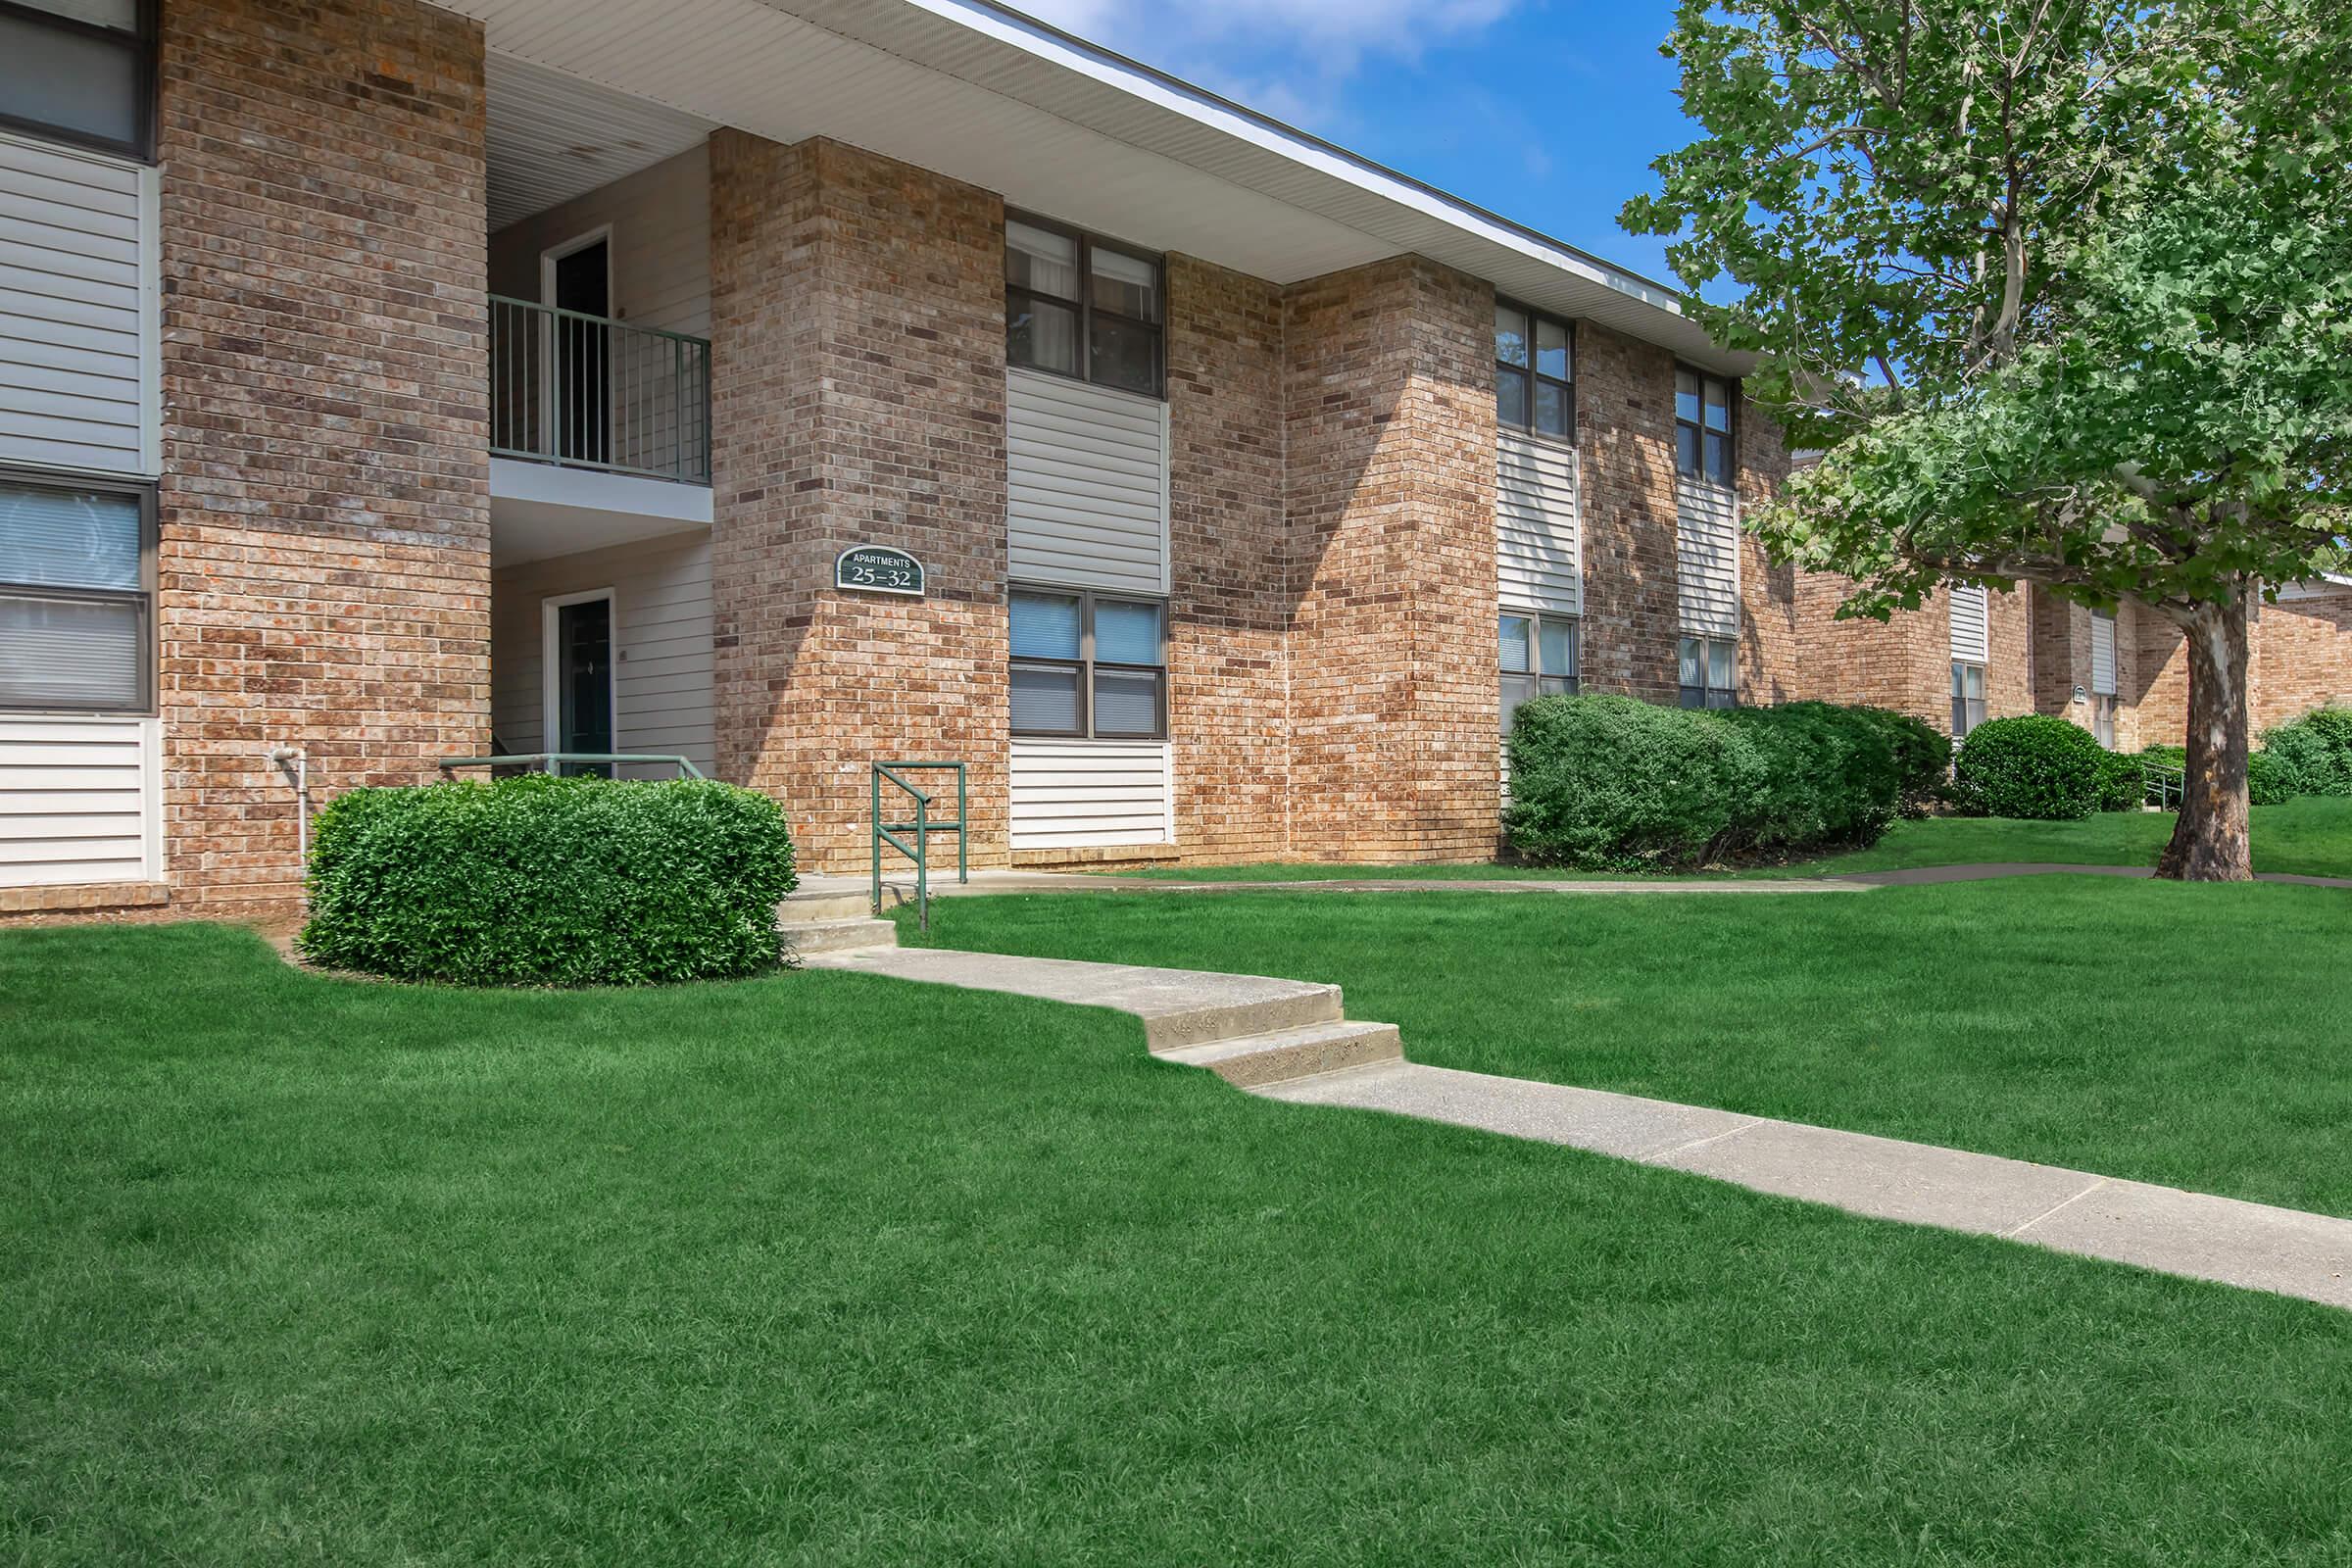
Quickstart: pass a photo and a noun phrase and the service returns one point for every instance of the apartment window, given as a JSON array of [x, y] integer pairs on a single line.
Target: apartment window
[[2102, 720], [1088, 664], [1082, 307], [1702, 426], [1968, 697], [81, 71], [1539, 660], [1710, 669], [77, 597], [1534, 372]]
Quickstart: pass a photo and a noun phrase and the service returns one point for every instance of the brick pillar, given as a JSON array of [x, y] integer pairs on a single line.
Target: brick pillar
[[1771, 633], [1390, 504], [1230, 603], [324, 556], [1625, 441], [857, 365], [2062, 656]]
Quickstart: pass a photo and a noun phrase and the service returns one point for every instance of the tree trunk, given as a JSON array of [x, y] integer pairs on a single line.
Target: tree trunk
[[2211, 840]]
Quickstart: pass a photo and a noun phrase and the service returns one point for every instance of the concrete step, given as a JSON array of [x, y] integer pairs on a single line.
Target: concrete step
[[840, 936], [805, 908], [1255, 1060]]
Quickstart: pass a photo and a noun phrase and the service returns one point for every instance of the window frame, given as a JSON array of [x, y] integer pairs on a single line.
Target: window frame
[[1698, 428], [1530, 375], [146, 48], [1086, 664], [2104, 711], [1573, 682], [1707, 691], [142, 598], [1962, 702], [1085, 308]]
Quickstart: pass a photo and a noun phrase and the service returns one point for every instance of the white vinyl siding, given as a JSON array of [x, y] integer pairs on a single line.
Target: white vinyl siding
[[1087, 475], [79, 347], [1076, 793], [2102, 655], [1706, 557], [662, 647], [80, 801], [1538, 553], [1971, 640]]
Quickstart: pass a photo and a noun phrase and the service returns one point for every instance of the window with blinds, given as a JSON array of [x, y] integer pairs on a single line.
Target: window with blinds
[[77, 597]]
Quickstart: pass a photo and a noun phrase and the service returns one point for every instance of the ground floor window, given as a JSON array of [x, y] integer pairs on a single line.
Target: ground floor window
[[76, 596], [1709, 669], [1968, 697], [1088, 664], [1539, 654], [2102, 720]]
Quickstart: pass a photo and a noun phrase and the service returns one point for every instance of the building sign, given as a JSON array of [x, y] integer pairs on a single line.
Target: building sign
[[878, 569]]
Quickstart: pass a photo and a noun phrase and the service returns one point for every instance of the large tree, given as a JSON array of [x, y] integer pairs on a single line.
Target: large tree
[[2057, 289]]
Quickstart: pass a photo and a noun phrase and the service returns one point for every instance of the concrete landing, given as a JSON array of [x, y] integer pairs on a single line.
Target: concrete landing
[[2287, 1251]]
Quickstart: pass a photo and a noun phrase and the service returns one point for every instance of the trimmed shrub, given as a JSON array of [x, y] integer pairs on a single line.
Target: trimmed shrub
[[2268, 781], [1923, 756], [541, 881], [2122, 782], [2033, 767], [1830, 777], [1608, 783], [2316, 750]]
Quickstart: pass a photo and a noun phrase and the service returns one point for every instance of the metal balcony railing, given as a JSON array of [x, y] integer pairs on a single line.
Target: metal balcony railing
[[591, 393]]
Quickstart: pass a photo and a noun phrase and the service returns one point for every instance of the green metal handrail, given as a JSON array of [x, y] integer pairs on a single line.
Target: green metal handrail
[[2164, 783], [552, 761], [922, 827], [585, 391]]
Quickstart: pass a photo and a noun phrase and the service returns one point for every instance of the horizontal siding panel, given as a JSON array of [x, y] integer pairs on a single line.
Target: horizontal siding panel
[[76, 800], [1539, 560], [1706, 557], [1075, 794], [2102, 655], [1971, 640], [1087, 485], [77, 311]]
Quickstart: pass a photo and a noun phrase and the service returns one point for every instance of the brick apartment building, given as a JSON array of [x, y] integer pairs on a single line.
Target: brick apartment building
[[383, 383]]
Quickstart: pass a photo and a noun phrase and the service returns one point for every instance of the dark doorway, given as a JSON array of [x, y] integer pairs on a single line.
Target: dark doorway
[[583, 354], [584, 683]]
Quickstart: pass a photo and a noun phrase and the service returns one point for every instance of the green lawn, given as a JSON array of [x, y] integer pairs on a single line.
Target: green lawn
[[826, 1271], [2308, 836], [2192, 1036]]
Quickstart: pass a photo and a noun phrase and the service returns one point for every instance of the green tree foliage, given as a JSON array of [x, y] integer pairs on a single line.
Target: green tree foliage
[[2061, 292]]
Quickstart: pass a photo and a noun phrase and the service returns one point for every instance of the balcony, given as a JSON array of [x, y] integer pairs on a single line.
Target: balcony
[[600, 431]]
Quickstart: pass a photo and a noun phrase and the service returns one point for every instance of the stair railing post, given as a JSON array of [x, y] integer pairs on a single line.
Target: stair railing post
[[923, 859], [875, 779], [963, 828]]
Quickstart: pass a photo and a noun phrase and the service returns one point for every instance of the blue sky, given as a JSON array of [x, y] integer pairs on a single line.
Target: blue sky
[[1546, 111]]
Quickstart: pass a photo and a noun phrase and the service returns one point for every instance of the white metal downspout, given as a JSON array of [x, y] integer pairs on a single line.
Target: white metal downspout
[[295, 764]]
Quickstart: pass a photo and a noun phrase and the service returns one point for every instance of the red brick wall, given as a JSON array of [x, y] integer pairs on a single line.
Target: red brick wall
[[1229, 564], [1391, 507], [323, 564], [1625, 442], [858, 398], [2301, 658], [1771, 645]]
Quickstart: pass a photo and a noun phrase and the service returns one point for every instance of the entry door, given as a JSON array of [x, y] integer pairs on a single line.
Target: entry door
[[579, 635], [582, 279]]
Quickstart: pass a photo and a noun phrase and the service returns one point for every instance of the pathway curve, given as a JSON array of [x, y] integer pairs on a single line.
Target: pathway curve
[[1291, 1041]]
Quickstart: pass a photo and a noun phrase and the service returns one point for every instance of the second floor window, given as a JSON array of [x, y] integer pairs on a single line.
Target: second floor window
[[81, 71], [1088, 664], [1702, 426], [1539, 660], [1534, 372], [1079, 307]]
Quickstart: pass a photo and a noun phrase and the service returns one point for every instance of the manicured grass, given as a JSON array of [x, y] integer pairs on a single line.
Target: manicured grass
[[823, 1269], [2308, 836], [2191, 1036]]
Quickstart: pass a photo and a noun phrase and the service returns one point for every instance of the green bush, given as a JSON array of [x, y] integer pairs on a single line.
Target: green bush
[[2316, 750], [2269, 780], [1923, 756], [2122, 782], [2035, 767], [544, 881], [1608, 783]]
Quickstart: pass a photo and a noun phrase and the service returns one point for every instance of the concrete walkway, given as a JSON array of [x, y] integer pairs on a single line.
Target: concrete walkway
[[1291, 1041]]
